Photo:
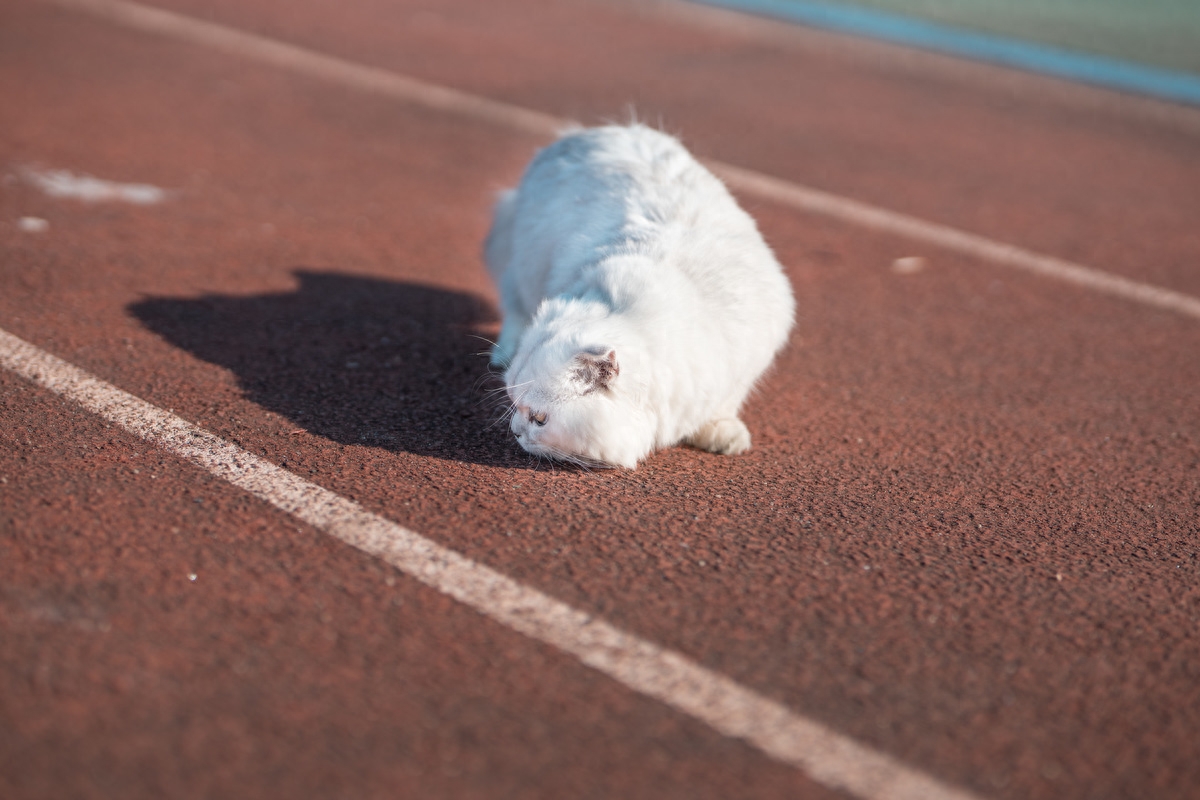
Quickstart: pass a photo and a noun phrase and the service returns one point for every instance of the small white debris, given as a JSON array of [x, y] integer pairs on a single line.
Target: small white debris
[[63, 184], [192, 576], [908, 265], [33, 224]]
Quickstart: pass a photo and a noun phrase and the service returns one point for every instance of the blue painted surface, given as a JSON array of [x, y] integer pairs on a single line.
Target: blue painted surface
[[1181, 87]]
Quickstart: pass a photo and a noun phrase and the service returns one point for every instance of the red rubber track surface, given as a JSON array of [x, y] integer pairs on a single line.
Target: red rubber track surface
[[966, 535]]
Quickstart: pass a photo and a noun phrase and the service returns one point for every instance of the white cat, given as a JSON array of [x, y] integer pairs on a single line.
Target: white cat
[[640, 303]]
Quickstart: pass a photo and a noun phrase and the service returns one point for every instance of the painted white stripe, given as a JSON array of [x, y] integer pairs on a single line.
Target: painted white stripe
[[63, 184], [828, 757], [968, 244], [317, 65], [411, 90]]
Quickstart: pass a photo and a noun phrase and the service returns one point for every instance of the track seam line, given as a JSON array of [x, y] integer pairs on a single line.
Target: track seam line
[[830, 758], [411, 90]]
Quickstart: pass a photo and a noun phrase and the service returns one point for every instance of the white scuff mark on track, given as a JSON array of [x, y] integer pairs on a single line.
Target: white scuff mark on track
[[828, 757], [908, 265], [33, 225], [66, 185], [441, 98]]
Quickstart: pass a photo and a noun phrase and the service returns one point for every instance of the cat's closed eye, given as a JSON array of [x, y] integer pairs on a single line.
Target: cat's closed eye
[[537, 419]]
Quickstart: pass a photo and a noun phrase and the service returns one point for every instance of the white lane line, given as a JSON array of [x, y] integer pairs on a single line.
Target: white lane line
[[813, 201], [828, 757], [969, 244], [314, 64]]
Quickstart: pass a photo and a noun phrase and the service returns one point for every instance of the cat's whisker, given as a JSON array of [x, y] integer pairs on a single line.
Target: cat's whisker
[[505, 417], [499, 389], [494, 391], [480, 381], [498, 416], [501, 417], [491, 393], [574, 462], [493, 403], [581, 462], [497, 397], [521, 397], [498, 423]]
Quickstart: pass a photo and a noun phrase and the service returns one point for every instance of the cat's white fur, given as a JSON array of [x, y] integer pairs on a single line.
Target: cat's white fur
[[640, 303]]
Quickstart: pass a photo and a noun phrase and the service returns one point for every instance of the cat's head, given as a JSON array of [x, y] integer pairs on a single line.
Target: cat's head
[[570, 403]]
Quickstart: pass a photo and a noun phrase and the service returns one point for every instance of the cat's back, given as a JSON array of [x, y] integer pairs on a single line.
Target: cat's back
[[593, 191], [622, 187], [607, 153], [656, 199], [629, 170]]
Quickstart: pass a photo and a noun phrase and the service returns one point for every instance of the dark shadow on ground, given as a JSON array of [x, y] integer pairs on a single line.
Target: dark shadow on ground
[[354, 359]]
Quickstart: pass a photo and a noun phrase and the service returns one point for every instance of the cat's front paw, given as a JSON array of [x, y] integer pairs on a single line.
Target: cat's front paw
[[725, 436]]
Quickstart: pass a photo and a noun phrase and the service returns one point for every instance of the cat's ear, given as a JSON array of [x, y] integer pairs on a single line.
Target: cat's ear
[[596, 370]]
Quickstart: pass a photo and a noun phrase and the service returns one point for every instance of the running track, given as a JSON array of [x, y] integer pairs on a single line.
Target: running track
[[965, 541]]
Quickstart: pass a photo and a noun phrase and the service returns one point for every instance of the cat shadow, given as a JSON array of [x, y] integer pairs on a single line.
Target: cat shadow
[[356, 360]]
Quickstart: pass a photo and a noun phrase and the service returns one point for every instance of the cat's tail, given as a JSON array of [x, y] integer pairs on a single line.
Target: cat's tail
[[497, 248]]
